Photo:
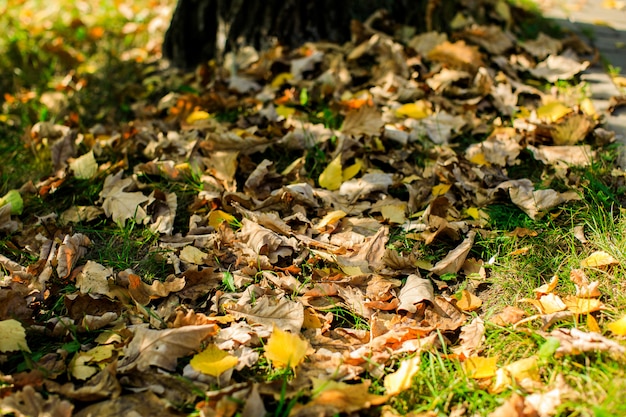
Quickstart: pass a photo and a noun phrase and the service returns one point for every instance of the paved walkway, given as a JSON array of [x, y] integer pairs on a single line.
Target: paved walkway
[[603, 24]]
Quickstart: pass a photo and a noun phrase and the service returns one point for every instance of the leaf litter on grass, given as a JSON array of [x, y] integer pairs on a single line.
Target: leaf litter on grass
[[275, 227]]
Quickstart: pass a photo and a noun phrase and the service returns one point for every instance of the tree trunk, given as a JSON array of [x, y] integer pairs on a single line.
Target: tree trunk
[[204, 29]]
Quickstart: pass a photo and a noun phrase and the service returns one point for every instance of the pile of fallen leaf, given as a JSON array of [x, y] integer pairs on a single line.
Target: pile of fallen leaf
[[273, 249]]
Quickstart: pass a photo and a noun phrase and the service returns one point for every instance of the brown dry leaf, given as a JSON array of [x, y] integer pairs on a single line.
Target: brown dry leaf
[[142, 404], [121, 205], [457, 55], [143, 293], [94, 278], [492, 38], [365, 120], [71, 250], [510, 315], [542, 46], [415, 290], [569, 155], [498, 149], [454, 260], [264, 241], [599, 259], [472, 337], [28, 402], [162, 348], [547, 288], [573, 130], [342, 398], [101, 386], [584, 288], [575, 342], [272, 312], [559, 67], [533, 202]]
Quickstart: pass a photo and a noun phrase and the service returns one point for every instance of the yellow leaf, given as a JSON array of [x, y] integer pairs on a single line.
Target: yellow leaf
[[352, 170], [285, 111], [468, 301], [579, 305], [418, 110], [549, 287], [394, 213], [213, 361], [473, 212], [281, 79], [285, 349], [516, 371], [440, 189], [330, 220], [197, 116], [13, 336], [479, 159], [478, 367], [331, 177], [217, 217], [598, 259], [402, 379], [78, 366], [553, 111], [588, 108], [85, 166], [353, 270], [192, 255], [592, 324], [618, 327]]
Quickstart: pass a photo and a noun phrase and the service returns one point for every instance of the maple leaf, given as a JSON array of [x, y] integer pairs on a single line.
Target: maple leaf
[[284, 349]]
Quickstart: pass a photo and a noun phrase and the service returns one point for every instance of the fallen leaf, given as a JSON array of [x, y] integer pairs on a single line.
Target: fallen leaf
[[13, 336], [472, 337], [598, 259], [339, 397], [418, 110], [272, 312], [331, 177], [284, 349], [468, 301], [527, 368], [415, 290], [162, 348], [85, 166], [213, 361], [402, 379], [618, 327], [453, 261], [478, 367]]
